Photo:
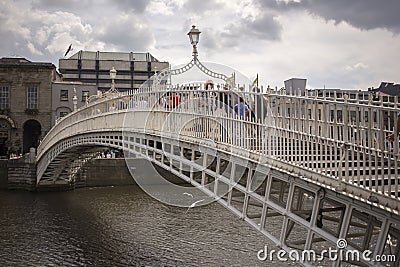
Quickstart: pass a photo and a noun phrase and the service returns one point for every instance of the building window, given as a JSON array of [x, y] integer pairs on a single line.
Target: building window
[[63, 114], [339, 115], [3, 97], [85, 95], [353, 115], [32, 98], [64, 95]]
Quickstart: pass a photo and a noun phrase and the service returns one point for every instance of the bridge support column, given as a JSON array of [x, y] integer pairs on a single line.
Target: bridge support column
[[382, 239]]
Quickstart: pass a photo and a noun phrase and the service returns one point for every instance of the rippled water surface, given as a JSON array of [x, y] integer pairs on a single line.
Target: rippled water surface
[[120, 226]]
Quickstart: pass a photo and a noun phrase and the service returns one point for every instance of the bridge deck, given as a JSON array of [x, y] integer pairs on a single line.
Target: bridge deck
[[312, 144], [341, 139]]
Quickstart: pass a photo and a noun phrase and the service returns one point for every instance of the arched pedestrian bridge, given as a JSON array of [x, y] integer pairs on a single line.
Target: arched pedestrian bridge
[[305, 168]]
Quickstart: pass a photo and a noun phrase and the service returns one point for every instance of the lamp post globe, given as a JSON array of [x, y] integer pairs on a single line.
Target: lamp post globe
[[113, 75], [194, 36], [75, 100]]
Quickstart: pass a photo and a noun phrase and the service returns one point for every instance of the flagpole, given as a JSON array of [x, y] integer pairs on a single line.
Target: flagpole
[[257, 80]]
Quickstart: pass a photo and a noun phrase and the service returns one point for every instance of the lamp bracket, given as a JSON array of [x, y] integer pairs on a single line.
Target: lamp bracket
[[194, 62]]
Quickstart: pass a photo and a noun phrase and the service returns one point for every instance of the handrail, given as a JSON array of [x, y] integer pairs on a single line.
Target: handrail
[[302, 132]]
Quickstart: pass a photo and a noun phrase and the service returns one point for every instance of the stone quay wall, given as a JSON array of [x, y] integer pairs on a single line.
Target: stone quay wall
[[115, 172], [104, 172], [21, 173], [3, 174]]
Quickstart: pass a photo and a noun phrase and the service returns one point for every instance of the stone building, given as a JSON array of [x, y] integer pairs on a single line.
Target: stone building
[[62, 97], [133, 69], [25, 103]]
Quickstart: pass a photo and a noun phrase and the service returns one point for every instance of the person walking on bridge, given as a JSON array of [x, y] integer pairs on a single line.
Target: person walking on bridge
[[241, 109], [174, 100], [225, 99]]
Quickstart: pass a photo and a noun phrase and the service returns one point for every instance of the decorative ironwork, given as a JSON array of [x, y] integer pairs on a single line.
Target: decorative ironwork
[[164, 75], [194, 39]]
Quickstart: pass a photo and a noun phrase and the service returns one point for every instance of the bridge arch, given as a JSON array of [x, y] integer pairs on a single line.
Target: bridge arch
[[313, 174], [280, 206]]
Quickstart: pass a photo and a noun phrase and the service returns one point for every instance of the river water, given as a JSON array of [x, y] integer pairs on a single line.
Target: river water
[[121, 226]]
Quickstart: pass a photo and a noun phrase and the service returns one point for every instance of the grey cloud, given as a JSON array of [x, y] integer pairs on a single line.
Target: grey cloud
[[44, 31], [93, 11], [196, 6], [20, 30], [64, 5], [88, 6], [209, 39], [363, 14], [242, 29], [136, 5], [246, 30], [17, 46], [14, 45], [128, 34], [241, 32], [265, 27], [279, 5]]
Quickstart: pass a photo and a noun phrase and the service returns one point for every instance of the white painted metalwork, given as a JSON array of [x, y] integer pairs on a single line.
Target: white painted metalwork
[[309, 142], [316, 167], [337, 142]]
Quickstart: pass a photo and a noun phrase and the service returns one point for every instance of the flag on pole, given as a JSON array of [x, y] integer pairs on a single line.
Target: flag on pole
[[255, 82]]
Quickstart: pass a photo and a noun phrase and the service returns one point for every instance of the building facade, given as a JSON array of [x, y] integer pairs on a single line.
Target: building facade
[[295, 84], [25, 103], [133, 69], [62, 97]]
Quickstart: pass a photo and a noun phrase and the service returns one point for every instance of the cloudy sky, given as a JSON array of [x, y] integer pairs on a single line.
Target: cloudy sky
[[348, 44]]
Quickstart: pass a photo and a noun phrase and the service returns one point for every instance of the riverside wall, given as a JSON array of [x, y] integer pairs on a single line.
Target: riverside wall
[[3, 174], [104, 172], [115, 172], [20, 174]]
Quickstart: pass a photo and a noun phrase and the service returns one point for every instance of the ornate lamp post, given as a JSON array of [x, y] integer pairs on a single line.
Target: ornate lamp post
[[194, 36], [75, 100], [113, 75]]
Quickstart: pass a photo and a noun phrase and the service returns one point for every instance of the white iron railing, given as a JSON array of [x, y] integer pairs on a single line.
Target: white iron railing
[[338, 142]]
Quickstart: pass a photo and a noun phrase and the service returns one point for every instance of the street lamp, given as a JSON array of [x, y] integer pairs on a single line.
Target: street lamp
[[75, 100], [194, 36], [113, 75]]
